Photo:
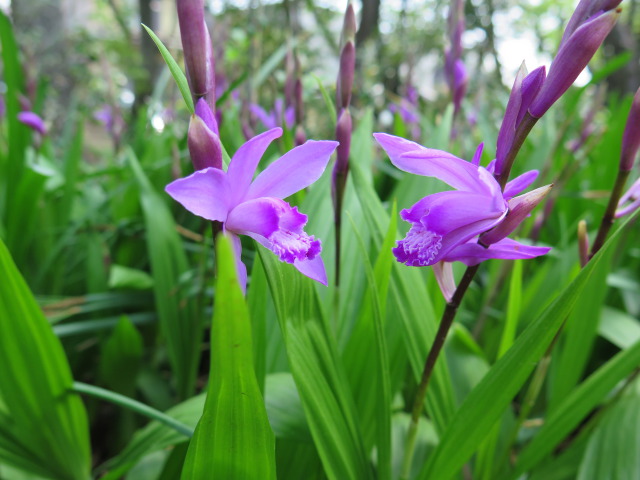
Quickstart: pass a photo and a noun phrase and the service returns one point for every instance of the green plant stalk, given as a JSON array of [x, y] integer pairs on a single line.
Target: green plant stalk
[[609, 214], [438, 342], [133, 405]]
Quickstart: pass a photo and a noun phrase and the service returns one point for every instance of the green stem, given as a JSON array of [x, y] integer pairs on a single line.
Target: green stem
[[134, 405], [438, 342], [609, 214]]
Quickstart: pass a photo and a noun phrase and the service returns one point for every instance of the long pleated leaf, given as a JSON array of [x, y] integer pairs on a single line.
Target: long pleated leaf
[[233, 439], [318, 372], [43, 426]]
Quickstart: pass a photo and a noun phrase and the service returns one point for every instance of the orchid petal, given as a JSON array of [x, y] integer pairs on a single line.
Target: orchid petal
[[444, 276], [204, 193], [518, 184], [314, 269], [396, 146], [245, 161], [473, 253], [454, 171], [478, 155], [260, 216], [294, 171]]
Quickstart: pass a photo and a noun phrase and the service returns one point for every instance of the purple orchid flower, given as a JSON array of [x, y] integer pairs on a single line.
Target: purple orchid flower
[[256, 208], [277, 117], [33, 121], [445, 225]]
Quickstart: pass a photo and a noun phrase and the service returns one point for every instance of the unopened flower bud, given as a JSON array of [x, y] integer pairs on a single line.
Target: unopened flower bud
[[198, 51], [573, 56], [300, 137], [203, 141], [346, 74], [349, 25], [519, 208], [631, 136], [343, 135]]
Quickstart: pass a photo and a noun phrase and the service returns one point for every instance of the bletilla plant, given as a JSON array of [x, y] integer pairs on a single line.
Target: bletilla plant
[[445, 226], [256, 207]]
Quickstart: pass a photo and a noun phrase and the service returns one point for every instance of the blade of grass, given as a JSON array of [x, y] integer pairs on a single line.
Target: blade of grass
[[176, 71]]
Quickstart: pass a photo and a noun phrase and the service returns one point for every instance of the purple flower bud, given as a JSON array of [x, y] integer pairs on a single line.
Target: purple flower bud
[[33, 121], [346, 74], [343, 135], [198, 52], [202, 139], [631, 136], [525, 88], [519, 208], [3, 107], [573, 56], [203, 111], [584, 10], [349, 26], [299, 104]]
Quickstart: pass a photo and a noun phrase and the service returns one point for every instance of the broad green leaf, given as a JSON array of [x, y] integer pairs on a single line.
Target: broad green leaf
[[176, 71], [612, 451], [317, 370], [487, 402], [580, 331], [43, 426], [577, 406], [380, 395], [233, 439], [514, 308], [126, 277], [179, 318], [619, 327]]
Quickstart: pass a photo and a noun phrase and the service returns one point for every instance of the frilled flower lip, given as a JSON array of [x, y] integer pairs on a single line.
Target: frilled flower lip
[[255, 207]]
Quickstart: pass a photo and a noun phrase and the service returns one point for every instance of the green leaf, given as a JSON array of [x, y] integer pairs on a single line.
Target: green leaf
[[176, 71], [331, 108], [514, 308], [577, 406], [43, 426], [317, 370], [612, 451], [371, 325], [486, 403], [126, 277], [120, 358], [233, 439], [179, 318]]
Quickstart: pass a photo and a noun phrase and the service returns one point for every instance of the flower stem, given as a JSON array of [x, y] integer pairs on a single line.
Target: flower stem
[[438, 342], [610, 212]]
